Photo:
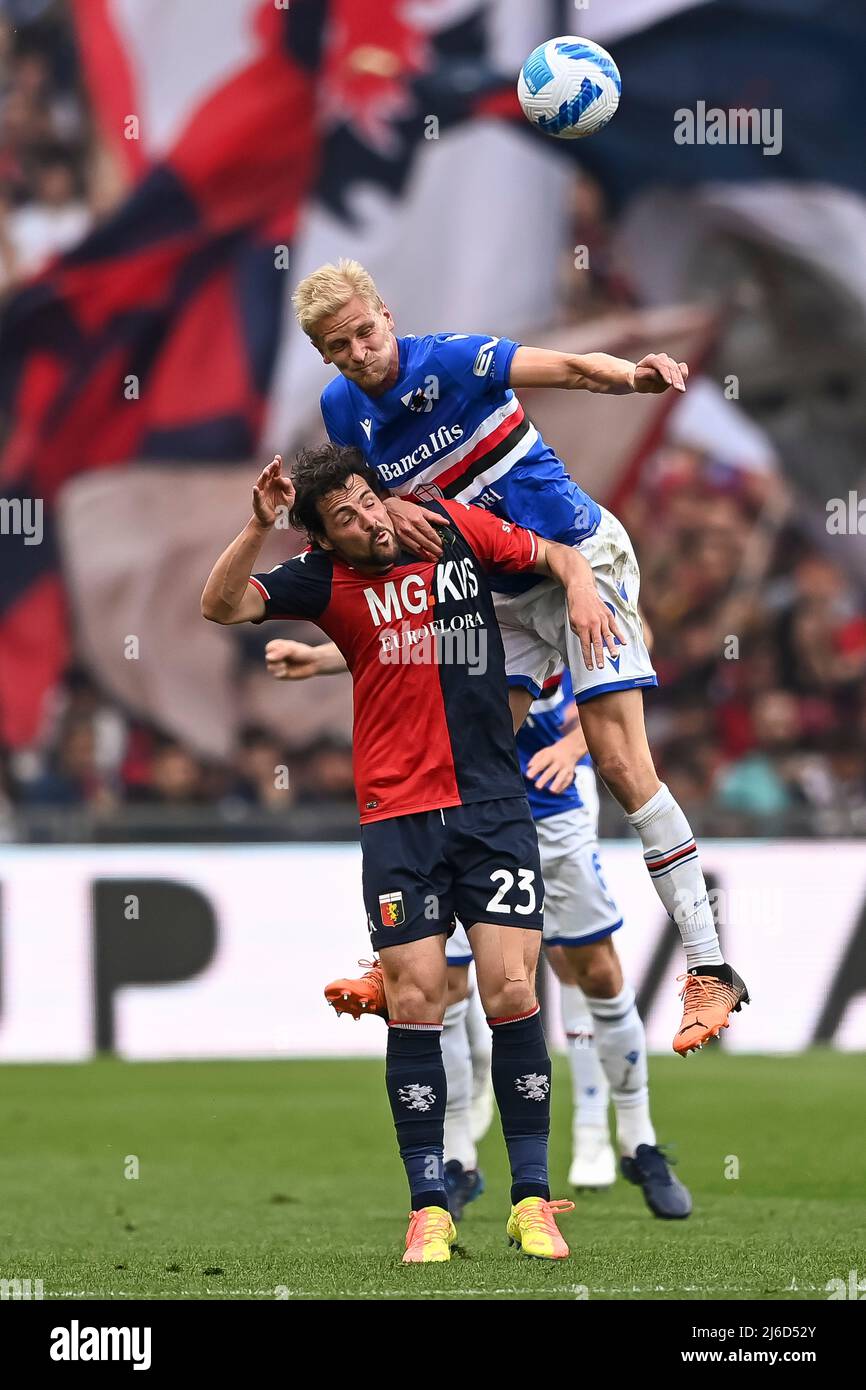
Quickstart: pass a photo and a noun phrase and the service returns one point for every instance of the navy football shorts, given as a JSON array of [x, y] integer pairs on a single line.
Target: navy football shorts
[[479, 863]]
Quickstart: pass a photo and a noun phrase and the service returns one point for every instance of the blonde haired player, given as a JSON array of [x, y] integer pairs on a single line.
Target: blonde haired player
[[437, 417]]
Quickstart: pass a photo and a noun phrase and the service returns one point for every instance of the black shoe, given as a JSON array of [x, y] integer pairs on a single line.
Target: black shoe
[[462, 1186], [664, 1193]]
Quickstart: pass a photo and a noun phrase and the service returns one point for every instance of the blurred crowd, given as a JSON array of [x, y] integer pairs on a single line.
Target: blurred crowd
[[54, 177], [760, 647], [100, 758]]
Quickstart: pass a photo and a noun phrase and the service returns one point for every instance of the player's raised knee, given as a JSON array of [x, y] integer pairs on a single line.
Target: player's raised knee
[[613, 767]]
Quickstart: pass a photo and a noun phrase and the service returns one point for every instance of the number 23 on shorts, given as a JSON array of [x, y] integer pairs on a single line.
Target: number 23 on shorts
[[525, 884]]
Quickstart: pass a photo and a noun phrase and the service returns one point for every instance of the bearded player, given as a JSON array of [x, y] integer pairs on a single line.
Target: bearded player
[[437, 417], [445, 825]]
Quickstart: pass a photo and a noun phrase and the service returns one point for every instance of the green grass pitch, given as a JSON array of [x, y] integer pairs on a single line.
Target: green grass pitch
[[281, 1179]]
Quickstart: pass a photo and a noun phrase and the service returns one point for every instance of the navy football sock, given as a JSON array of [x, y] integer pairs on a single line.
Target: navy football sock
[[521, 1082], [415, 1078]]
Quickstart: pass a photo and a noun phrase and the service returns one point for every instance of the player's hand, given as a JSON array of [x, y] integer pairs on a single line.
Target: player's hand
[[291, 661], [657, 372], [272, 490], [593, 625], [415, 527], [553, 767]]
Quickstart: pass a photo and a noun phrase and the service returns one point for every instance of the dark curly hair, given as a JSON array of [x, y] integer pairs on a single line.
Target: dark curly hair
[[320, 471]]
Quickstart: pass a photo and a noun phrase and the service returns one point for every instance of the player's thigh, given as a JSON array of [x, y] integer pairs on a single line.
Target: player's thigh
[[519, 702], [557, 958], [526, 624], [617, 579], [406, 879], [506, 960], [415, 979], [613, 723], [595, 967]]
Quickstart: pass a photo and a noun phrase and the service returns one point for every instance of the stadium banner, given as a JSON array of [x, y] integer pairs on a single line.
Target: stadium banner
[[198, 951]]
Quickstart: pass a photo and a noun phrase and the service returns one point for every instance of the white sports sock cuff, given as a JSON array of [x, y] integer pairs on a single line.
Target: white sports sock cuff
[[611, 1009], [656, 806]]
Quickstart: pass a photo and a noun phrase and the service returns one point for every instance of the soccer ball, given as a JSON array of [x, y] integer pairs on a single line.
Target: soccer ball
[[569, 87]]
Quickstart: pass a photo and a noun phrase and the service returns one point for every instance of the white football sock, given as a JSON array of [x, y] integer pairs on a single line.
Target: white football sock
[[671, 857], [458, 1072], [621, 1043], [588, 1081]]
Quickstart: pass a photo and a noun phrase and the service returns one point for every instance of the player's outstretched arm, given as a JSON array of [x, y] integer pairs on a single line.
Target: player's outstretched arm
[[299, 661], [591, 621], [228, 596], [597, 371]]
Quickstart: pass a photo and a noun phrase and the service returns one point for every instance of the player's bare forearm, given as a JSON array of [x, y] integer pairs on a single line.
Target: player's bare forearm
[[565, 564], [573, 744], [287, 660], [227, 596], [330, 659], [598, 372], [553, 767]]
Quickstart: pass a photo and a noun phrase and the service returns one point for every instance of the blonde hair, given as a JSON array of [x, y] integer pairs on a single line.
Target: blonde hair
[[328, 289]]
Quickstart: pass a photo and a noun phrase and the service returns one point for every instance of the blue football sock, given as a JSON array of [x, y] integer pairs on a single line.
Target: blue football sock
[[521, 1082], [415, 1079]]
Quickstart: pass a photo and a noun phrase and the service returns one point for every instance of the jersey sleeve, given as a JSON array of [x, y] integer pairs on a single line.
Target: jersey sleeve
[[298, 588], [500, 545], [479, 363], [334, 418]]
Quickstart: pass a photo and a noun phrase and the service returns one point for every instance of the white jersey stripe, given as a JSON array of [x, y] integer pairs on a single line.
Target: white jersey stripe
[[462, 450]]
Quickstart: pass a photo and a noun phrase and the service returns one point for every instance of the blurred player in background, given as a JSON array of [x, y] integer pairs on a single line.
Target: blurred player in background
[[437, 417], [445, 825], [607, 1049]]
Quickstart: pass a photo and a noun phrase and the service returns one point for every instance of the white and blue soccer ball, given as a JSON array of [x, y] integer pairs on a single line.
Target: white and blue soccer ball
[[569, 87]]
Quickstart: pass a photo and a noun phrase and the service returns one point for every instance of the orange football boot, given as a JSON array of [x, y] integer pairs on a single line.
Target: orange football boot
[[710, 994], [430, 1237], [363, 996]]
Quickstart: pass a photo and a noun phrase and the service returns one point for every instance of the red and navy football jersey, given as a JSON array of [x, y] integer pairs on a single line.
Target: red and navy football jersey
[[432, 726]]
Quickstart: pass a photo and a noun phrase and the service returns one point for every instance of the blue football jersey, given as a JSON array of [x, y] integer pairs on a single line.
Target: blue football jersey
[[544, 725], [450, 427]]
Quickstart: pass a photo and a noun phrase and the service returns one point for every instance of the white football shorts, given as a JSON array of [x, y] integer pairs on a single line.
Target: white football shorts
[[536, 632], [578, 907]]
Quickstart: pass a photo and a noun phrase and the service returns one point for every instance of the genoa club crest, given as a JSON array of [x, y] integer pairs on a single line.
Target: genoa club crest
[[391, 909]]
